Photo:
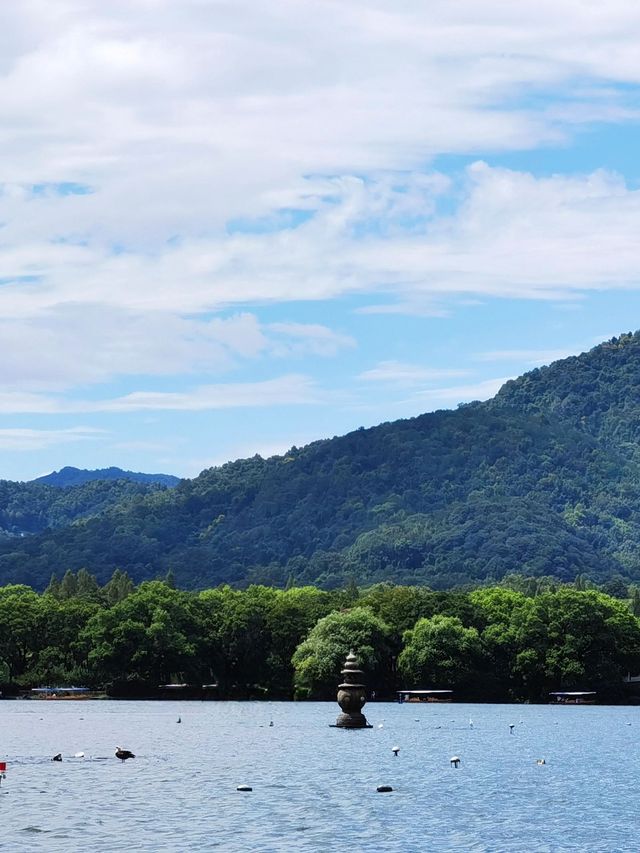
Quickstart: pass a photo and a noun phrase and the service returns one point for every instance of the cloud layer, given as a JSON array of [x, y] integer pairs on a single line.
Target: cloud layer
[[173, 172]]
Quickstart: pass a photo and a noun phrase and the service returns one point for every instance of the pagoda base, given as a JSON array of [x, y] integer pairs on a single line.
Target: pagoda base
[[351, 721]]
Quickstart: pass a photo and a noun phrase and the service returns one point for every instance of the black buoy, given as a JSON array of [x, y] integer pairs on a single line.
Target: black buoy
[[57, 757], [244, 788], [384, 789]]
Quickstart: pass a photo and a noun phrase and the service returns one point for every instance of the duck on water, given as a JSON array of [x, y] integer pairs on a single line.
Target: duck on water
[[123, 754]]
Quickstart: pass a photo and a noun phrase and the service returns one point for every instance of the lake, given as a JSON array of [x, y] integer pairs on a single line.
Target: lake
[[314, 787]]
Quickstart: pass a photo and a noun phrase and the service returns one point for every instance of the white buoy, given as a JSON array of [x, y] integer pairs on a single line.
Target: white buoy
[[395, 750], [455, 761], [78, 755], [380, 726]]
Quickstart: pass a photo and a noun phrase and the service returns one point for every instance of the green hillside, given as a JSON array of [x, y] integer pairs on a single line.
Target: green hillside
[[70, 476], [543, 479]]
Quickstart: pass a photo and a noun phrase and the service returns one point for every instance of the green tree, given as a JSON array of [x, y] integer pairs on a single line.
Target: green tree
[[440, 653], [21, 635], [318, 660], [151, 635]]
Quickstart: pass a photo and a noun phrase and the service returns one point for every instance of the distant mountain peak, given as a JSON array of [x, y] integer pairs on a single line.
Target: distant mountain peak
[[70, 476]]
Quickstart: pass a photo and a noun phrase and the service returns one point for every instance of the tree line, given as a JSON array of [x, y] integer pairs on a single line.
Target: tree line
[[517, 641]]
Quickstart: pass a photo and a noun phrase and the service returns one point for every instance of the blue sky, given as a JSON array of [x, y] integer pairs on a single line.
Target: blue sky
[[228, 228]]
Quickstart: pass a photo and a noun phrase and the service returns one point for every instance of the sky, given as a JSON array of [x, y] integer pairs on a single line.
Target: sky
[[227, 228]]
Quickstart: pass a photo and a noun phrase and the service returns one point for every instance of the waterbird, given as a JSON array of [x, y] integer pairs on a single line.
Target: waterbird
[[395, 750], [123, 754], [511, 728], [540, 762], [470, 724], [244, 788], [179, 720], [380, 725], [271, 723], [57, 757], [455, 761], [78, 755]]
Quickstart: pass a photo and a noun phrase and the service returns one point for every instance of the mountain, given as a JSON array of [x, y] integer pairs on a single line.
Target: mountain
[[70, 476], [30, 508], [543, 479]]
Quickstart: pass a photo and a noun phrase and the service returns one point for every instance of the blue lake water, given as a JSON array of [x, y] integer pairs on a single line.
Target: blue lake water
[[314, 787]]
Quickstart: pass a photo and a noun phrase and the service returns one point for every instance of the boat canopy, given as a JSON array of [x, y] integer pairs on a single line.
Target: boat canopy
[[573, 693], [424, 692], [60, 689]]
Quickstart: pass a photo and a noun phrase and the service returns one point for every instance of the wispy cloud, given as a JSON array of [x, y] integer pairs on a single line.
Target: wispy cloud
[[289, 390], [453, 394], [38, 439], [401, 373]]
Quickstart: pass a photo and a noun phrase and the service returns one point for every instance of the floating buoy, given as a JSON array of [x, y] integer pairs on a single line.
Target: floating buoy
[[244, 788], [395, 750], [3, 767], [455, 761], [511, 728], [78, 755], [384, 789]]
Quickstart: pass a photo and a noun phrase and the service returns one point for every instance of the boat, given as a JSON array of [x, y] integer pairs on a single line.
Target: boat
[[63, 693], [574, 697], [424, 695]]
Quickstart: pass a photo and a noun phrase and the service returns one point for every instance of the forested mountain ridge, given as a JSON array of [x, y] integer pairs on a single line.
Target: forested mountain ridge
[[543, 479], [70, 476], [29, 508]]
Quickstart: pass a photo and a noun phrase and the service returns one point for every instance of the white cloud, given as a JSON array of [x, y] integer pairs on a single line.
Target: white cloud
[[461, 393], [301, 338], [39, 439], [286, 390], [399, 373], [180, 118]]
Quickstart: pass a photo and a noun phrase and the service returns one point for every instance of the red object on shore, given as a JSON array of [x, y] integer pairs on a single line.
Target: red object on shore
[[3, 766]]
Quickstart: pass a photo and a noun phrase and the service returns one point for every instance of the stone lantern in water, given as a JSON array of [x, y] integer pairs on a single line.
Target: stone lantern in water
[[351, 696]]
